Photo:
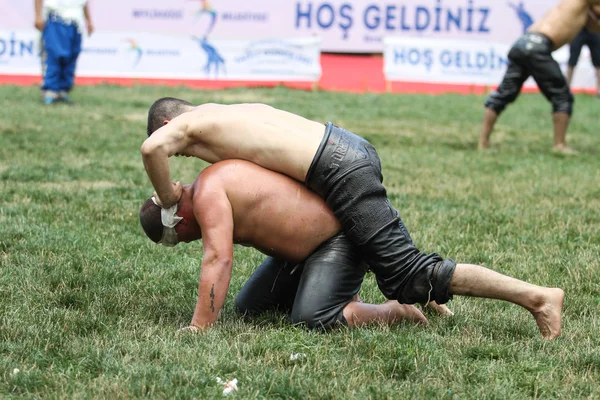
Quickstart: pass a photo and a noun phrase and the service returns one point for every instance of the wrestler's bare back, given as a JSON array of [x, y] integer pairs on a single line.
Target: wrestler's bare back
[[562, 23], [272, 138], [271, 212]]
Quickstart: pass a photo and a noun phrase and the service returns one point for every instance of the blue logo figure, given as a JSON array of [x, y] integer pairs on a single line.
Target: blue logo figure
[[214, 59], [524, 16], [135, 48], [212, 13]]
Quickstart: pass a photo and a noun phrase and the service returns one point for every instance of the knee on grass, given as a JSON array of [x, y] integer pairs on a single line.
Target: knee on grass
[[246, 310], [318, 319]]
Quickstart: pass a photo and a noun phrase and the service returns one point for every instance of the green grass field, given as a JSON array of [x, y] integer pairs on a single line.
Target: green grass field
[[89, 306]]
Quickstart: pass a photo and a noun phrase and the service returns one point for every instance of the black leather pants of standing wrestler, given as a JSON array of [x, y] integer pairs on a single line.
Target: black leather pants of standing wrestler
[[531, 55], [346, 172]]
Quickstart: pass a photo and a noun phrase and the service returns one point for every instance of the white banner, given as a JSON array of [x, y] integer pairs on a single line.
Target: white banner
[[150, 55], [463, 62], [344, 25], [361, 25]]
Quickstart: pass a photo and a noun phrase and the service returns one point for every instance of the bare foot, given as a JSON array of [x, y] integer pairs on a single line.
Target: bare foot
[[562, 149], [548, 315], [406, 312], [483, 145], [187, 330], [439, 308]]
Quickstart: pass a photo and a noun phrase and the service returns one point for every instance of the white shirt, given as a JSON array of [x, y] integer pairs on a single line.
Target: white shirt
[[68, 10]]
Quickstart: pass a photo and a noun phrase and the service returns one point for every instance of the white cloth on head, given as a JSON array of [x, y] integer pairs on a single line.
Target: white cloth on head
[[169, 219]]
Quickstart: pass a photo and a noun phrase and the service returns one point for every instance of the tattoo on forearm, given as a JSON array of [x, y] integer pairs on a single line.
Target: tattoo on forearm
[[212, 298]]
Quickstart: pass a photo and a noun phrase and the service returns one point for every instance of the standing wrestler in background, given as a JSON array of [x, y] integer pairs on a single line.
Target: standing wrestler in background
[[531, 55], [60, 22], [592, 41]]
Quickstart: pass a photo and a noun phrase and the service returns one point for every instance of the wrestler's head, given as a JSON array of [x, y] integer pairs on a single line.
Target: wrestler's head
[[165, 109], [157, 223]]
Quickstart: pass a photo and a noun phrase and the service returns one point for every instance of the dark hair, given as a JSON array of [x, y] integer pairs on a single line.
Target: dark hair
[[150, 220], [165, 109]]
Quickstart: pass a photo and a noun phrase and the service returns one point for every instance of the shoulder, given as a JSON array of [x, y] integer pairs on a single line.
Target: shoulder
[[209, 180], [210, 198], [217, 179], [199, 112], [205, 116], [231, 177], [208, 109], [231, 168], [229, 108], [206, 106]]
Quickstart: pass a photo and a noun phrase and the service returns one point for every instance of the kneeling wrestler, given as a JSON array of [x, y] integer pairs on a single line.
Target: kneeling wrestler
[[314, 272]]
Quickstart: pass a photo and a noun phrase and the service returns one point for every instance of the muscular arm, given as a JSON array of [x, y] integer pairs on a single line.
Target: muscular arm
[[214, 214], [181, 135], [156, 150]]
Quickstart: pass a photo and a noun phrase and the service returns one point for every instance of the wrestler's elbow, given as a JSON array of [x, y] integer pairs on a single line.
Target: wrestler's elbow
[[153, 149], [148, 149], [216, 263]]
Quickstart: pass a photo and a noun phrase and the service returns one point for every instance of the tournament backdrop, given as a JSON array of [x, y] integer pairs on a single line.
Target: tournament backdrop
[[434, 41], [344, 26]]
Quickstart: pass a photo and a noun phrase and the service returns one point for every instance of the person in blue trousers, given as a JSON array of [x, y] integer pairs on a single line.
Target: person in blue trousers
[[61, 23]]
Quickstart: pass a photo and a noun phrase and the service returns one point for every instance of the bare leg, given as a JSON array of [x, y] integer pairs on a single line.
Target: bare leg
[[489, 120], [545, 304], [388, 313], [569, 74], [561, 123]]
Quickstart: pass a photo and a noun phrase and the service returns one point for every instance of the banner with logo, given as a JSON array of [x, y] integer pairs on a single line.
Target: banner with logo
[[151, 55], [343, 25], [361, 25], [19, 51], [463, 62]]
